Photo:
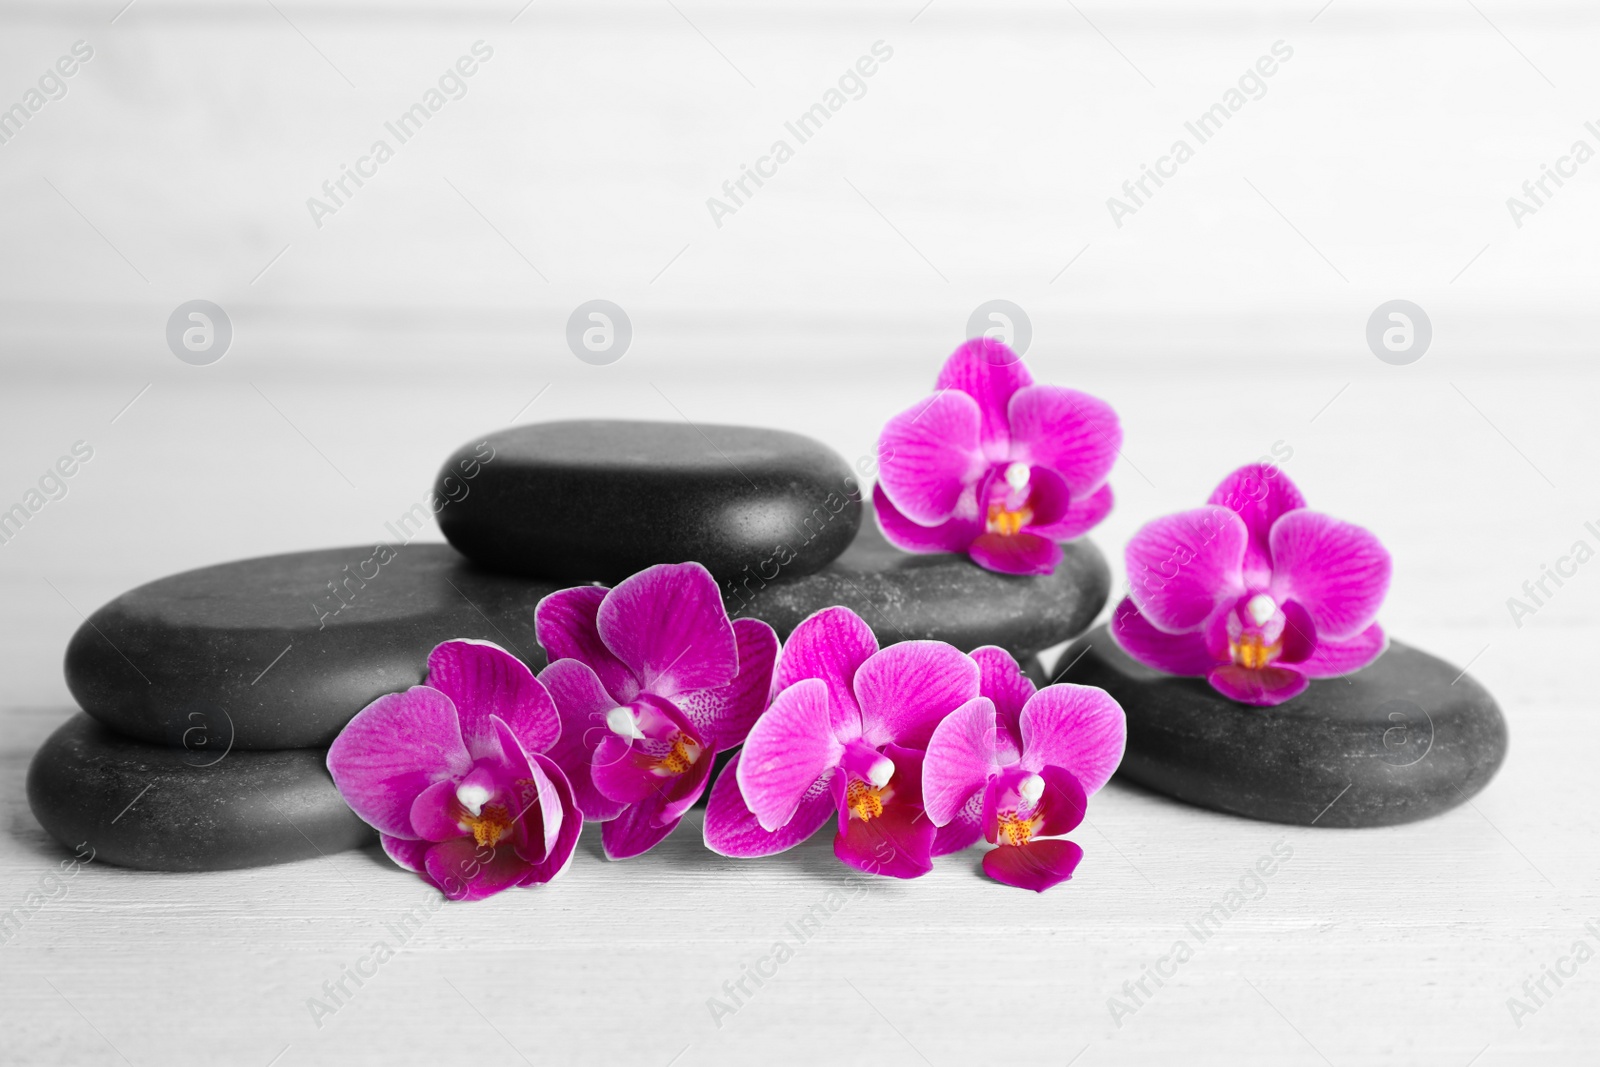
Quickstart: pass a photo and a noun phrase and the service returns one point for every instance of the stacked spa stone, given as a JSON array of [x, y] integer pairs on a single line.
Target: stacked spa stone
[[211, 696]]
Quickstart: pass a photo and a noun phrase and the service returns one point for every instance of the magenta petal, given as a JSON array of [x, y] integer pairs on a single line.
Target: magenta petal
[[534, 792], [559, 854], [645, 824], [789, 748], [393, 749], [483, 679], [667, 623], [1181, 566], [1335, 570], [964, 830], [723, 716], [1077, 728], [961, 758], [990, 373], [929, 454], [463, 870], [1259, 493], [1082, 515], [953, 535], [433, 813], [1334, 658], [564, 623], [1073, 433], [830, 644], [582, 703], [906, 689], [412, 855], [898, 843], [628, 770], [1019, 553], [1038, 865], [1299, 636], [731, 828], [1002, 681], [1184, 654], [1063, 804], [1262, 688]]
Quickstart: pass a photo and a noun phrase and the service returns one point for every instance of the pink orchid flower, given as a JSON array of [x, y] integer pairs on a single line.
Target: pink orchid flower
[[842, 738], [1253, 592], [1017, 764], [452, 774], [651, 681], [996, 466]]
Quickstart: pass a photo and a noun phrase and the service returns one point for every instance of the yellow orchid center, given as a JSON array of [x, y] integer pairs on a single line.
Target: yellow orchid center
[[489, 826], [1014, 829], [683, 755], [1003, 520], [865, 801], [1252, 651]]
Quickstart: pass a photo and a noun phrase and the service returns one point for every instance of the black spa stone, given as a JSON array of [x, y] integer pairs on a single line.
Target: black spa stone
[[281, 651], [943, 597], [599, 500], [171, 809], [1403, 739]]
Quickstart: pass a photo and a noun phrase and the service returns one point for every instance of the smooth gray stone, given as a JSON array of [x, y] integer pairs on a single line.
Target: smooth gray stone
[[266, 653], [599, 500], [169, 809], [944, 597], [1405, 738]]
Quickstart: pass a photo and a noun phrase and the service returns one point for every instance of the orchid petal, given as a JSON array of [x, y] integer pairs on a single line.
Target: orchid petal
[[583, 703], [1184, 654], [929, 454], [1261, 688], [564, 623], [645, 824], [1004, 682], [412, 855], [1018, 553], [392, 750], [960, 759], [952, 535], [1075, 434], [1082, 515], [1337, 571], [1037, 865], [731, 828], [433, 814], [899, 842], [559, 854], [964, 829], [906, 689], [724, 715], [1260, 493], [1335, 658], [668, 624], [830, 644], [1077, 728], [990, 373], [464, 871], [482, 679], [1062, 805], [789, 748], [1181, 566]]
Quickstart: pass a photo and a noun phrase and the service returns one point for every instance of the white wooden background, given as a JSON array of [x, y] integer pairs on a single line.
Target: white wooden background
[[1226, 317]]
